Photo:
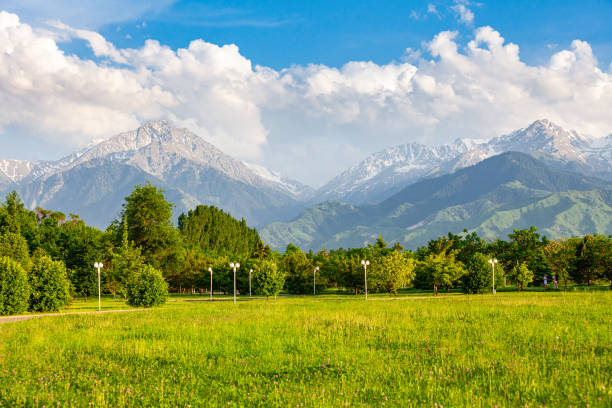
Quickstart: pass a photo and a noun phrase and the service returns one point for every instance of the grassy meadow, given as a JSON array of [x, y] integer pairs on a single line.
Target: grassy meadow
[[531, 349]]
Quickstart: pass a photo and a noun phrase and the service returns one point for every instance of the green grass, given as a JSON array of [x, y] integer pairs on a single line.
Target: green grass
[[537, 349]]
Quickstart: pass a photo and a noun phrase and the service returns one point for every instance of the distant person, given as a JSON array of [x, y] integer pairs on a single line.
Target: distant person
[[545, 281], [556, 282]]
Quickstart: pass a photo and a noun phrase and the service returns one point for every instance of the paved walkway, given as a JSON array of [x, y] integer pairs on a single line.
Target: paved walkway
[[6, 319]]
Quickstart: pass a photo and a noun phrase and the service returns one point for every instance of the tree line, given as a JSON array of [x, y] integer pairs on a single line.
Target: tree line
[[142, 245]]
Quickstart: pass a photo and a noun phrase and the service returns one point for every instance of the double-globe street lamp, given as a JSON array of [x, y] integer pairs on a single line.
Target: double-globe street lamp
[[365, 264], [234, 266], [493, 262], [98, 266]]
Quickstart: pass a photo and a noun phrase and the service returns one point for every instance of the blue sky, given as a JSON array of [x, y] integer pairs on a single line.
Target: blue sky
[[286, 37], [281, 33]]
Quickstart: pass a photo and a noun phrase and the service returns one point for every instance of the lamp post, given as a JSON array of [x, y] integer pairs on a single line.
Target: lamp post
[[210, 270], [314, 280], [98, 266], [250, 273], [234, 266], [365, 264], [493, 262]]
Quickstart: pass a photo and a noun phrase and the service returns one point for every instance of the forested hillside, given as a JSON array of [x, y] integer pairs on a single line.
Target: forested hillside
[[494, 197]]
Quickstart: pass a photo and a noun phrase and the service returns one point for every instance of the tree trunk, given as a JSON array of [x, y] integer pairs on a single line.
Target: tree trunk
[[435, 290]]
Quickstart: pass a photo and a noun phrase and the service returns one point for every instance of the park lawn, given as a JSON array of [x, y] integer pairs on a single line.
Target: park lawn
[[534, 348]]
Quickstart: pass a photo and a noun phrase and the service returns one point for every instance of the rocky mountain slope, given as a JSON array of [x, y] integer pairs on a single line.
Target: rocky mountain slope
[[385, 173], [511, 190], [94, 181]]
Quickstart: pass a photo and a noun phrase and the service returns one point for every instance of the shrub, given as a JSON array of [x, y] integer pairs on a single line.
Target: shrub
[[146, 288], [50, 287], [14, 288]]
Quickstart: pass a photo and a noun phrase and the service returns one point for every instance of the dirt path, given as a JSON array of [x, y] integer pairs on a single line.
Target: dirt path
[[6, 319]]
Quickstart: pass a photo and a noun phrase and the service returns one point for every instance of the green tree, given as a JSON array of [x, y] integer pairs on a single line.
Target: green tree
[[441, 269], [595, 259], [527, 245], [125, 261], [522, 275], [50, 287], [14, 217], [212, 230], [560, 256], [80, 247], [14, 246], [193, 273], [14, 287], [148, 216], [269, 279], [146, 288], [479, 275], [467, 245], [298, 270], [393, 272], [222, 274]]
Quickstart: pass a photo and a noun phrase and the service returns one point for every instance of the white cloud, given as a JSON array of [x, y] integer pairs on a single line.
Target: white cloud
[[431, 9], [307, 121], [97, 42], [466, 16]]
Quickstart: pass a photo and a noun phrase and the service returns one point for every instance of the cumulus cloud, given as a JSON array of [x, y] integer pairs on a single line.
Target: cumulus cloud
[[307, 121]]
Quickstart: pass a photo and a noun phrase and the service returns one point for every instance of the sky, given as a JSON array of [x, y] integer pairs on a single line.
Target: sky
[[306, 89]]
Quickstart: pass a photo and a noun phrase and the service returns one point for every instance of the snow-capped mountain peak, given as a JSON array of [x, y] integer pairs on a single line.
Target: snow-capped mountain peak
[[385, 172], [156, 147], [191, 171]]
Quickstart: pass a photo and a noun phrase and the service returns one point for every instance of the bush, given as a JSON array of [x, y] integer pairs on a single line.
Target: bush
[[146, 288], [49, 284], [14, 288]]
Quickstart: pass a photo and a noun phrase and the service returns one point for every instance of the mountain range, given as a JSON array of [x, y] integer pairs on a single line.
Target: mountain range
[[375, 196], [94, 181], [501, 193], [384, 173]]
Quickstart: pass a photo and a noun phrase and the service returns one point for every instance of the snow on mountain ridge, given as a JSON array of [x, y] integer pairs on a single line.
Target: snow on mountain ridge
[[156, 147], [16, 170], [387, 170], [292, 187]]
